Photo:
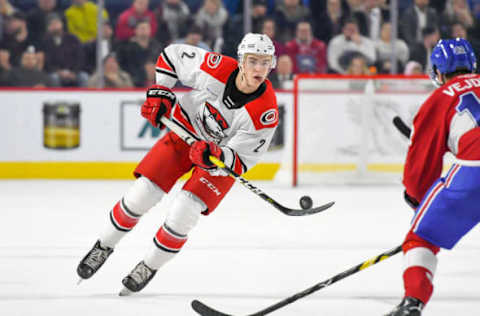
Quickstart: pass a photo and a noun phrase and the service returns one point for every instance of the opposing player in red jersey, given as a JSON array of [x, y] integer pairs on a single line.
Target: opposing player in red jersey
[[447, 122], [232, 109]]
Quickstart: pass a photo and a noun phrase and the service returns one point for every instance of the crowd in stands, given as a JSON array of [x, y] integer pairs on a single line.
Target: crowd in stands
[[53, 43]]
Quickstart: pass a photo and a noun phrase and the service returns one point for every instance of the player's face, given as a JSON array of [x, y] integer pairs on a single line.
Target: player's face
[[256, 69]]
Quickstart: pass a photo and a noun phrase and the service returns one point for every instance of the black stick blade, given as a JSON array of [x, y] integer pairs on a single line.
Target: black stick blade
[[310, 211], [205, 310], [402, 127]]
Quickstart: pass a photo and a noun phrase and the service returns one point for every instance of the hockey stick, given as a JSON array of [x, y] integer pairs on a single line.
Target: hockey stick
[[190, 138], [402, 127], [205, 310]]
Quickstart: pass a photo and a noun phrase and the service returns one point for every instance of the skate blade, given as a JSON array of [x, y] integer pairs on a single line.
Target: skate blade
[[125, 292]]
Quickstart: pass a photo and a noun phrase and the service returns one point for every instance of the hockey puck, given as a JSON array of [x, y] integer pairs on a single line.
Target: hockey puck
[[306, 202]]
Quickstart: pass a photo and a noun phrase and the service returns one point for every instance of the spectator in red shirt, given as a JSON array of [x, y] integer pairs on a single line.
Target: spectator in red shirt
[[129, 18], [309, 55]]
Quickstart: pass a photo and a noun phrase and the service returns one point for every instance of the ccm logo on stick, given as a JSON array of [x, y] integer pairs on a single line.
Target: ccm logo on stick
[[269, 117], [210, 186]]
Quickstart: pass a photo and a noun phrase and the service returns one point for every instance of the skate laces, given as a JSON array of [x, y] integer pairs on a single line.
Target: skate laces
[[141, 273], [96, 257]]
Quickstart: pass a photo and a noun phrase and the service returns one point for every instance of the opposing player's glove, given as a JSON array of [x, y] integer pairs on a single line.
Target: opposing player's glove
[[200, 152], [160, 101], [410, 200]]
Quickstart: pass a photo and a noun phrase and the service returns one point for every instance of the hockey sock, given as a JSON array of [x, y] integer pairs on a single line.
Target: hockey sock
[[420, 265], [141, 197], [418, 283], [167, 243], [122, 220], [170, 238]]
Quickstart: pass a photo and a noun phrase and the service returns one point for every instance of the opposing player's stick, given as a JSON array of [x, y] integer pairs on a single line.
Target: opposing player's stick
[[205, 310], [190, 138], [402, 127]]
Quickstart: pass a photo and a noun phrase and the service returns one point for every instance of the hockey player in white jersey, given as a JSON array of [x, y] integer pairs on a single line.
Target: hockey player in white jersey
[[232, 109]]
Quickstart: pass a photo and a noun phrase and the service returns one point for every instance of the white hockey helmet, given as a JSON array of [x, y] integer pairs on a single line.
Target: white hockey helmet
[[259, 44]]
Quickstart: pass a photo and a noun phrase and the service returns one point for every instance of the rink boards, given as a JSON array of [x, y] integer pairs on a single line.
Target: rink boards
[[92, 134]]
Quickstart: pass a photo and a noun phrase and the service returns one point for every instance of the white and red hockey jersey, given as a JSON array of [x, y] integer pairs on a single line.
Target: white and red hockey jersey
[[243, 126], [448, 121]]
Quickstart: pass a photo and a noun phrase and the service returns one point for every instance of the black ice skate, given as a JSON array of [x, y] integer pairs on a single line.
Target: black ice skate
[[94, 259], [409, 306], [137, 279]]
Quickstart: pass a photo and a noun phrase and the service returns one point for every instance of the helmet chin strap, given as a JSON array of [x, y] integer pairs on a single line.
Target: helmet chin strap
[[437, 83], [434, 76], [242, 73], [244, 79]]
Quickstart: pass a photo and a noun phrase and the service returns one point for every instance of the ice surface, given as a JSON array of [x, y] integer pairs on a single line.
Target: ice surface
[[241, 259]]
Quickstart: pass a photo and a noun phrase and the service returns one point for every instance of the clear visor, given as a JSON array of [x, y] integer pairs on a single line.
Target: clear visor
[[256, 60]]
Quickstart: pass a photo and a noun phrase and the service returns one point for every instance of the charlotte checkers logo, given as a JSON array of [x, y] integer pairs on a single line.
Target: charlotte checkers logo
[[213, 60], [269, 117]]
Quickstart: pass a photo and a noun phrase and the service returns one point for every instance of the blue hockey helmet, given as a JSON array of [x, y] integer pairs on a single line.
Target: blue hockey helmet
[[452, 55]]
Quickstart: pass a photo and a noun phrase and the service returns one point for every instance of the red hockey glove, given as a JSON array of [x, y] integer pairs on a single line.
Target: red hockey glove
[[160, 101], [410, 200], [201, 150]]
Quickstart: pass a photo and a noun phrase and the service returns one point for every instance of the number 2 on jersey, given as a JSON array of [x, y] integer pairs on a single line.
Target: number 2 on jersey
[[191, 55], [262, 142], [469, 102]]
